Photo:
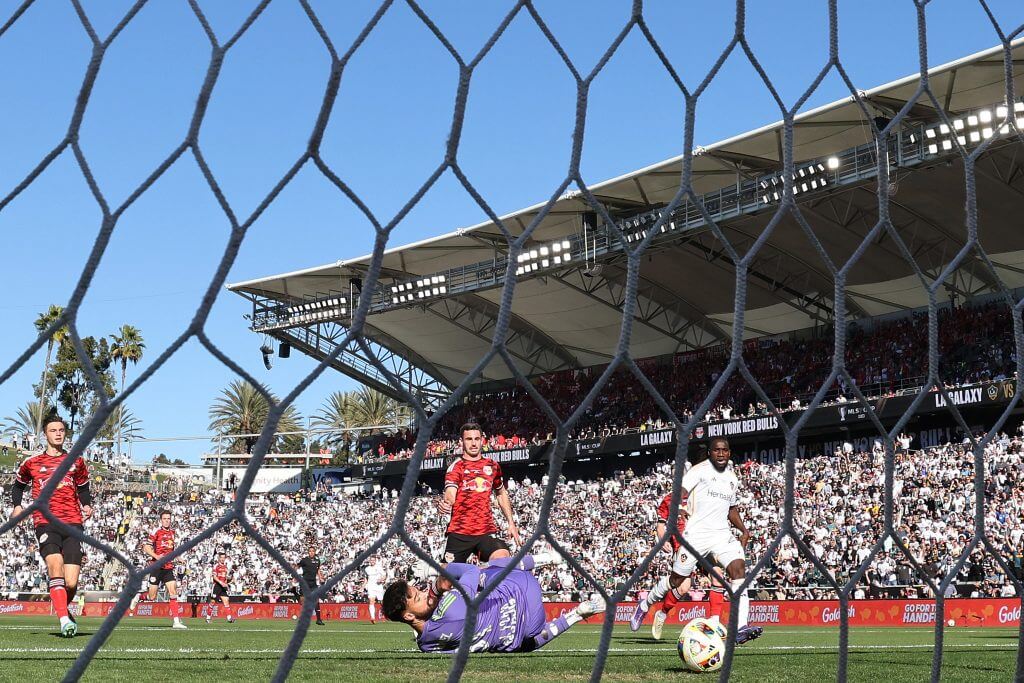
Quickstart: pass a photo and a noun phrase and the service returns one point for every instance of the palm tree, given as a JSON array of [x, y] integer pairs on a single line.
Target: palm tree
[[122, 423], [44, 321], [241, 409], [335, 415], [370, 408], [127, 345], [26, 420]]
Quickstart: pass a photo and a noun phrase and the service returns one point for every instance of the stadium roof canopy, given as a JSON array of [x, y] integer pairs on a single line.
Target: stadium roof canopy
[[431, 318]]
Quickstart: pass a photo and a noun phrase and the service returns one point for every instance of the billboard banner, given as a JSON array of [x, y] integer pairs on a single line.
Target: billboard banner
[[964, 612], [270, 479]]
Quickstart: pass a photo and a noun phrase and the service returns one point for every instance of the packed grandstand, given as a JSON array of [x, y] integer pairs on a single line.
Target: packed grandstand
[[608, 525], [883, 357]]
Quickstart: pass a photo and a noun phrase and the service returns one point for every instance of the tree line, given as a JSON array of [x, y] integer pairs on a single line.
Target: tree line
[[240, 410], [64, 381]]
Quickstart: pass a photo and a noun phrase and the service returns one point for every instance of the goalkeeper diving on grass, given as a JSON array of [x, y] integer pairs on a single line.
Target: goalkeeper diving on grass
[[510, 619]]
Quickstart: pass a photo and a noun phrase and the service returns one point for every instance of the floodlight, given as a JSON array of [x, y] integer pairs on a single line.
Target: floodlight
[[833, 163]]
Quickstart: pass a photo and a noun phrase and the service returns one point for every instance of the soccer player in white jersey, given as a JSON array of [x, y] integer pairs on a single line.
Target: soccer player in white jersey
[[710, 488], [375, 575]]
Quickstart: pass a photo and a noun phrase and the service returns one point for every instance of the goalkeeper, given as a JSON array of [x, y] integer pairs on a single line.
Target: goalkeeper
[[510, 619]]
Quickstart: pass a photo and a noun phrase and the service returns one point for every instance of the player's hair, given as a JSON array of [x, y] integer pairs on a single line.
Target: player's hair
[[163, 512], [396, 600], [718, 438], [51, 418], [469, 427]]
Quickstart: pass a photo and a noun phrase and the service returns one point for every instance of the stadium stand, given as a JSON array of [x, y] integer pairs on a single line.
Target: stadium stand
[[884, 357], [609, 525]]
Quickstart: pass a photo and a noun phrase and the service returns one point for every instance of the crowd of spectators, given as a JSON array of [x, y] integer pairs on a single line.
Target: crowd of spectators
[[608, 526], [883, 358]]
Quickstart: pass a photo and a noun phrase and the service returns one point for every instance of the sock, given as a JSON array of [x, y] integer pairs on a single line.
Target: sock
[[670, 601], [317, 610], [657, 593], [175, 608], [227, 611], [135, 602], [717, 599], [373, 616], [553, 629], [59, 597], [742, 602]]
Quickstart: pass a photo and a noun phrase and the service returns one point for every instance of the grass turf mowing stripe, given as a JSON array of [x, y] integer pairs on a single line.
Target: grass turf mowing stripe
[[620, 650]]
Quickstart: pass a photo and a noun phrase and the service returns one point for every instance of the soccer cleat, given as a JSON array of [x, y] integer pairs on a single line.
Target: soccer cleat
[[320, 622], [68, 628], [207, 620], [177, 624], [637, 620], [659, 623], [588, 608], [747, 633]]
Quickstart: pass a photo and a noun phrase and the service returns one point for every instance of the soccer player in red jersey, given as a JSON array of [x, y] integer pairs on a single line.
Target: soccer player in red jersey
[[71, 503], [160, 543], [671, 546], [468, 487], [220, 588]]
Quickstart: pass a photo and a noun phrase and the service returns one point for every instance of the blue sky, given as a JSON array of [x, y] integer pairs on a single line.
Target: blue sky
[[387, 133]]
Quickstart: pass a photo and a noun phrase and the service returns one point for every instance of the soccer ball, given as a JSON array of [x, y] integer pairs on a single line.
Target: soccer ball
[[701, 646], [702, 624], [951, 623], [295, 617]]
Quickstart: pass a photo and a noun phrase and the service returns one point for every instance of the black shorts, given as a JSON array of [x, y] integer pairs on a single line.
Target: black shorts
[[219, 591], [161, 576], [52, 541], [460, 546]]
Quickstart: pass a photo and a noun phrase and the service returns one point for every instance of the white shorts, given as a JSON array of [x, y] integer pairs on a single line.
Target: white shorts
[[725, 547], [375, 593]]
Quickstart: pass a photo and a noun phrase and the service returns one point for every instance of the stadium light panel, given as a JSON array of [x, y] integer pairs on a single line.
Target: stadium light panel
[[985, 116], [986, 133], [1001, 111], [934, 149], [972, 120], [958, 124]]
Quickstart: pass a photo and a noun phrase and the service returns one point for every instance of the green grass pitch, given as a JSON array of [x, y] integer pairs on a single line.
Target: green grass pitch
[[148, 650]]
